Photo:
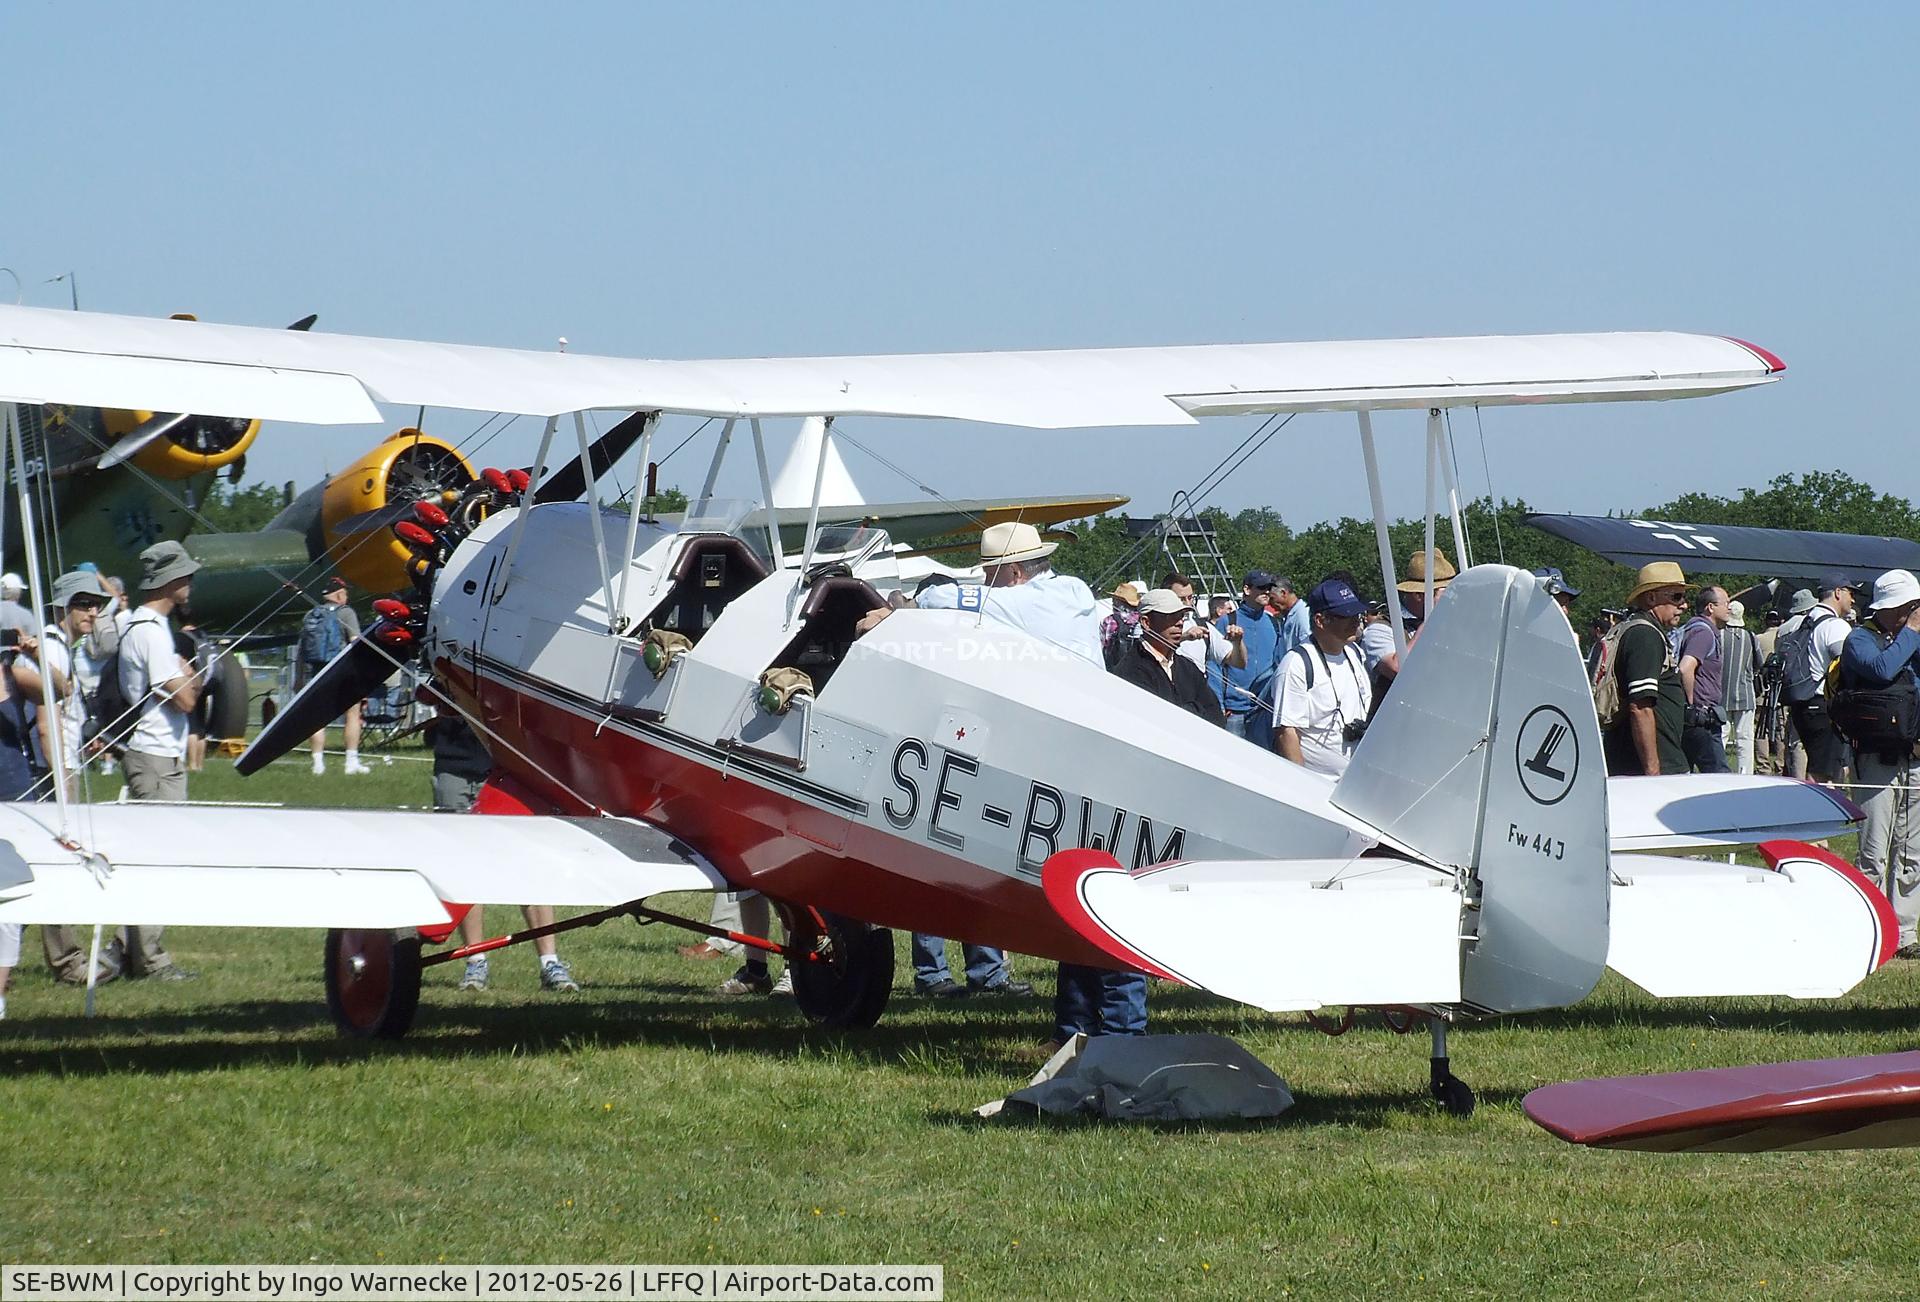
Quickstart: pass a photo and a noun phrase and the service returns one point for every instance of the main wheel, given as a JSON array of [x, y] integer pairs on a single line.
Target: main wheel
[[847, 986], [373, 982]]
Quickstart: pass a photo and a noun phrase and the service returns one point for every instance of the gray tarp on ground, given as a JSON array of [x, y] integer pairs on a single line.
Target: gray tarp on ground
[[1155, 1078]]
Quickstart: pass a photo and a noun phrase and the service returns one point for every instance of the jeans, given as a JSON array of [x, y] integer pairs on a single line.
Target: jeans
[[986, 967], [1256, 725], [1098, 1002], [1706, 753]]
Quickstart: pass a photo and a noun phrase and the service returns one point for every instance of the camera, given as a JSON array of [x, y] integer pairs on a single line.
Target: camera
[[1353, 732], [9, 637]]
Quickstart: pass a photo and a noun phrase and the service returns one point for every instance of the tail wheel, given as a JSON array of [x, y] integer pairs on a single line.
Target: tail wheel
[[373, 982], [847, 984]]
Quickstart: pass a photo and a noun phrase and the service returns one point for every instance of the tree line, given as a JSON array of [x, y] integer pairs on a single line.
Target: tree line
[[1104, 554]]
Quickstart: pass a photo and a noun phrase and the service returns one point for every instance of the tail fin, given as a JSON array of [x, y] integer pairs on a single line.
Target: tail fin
[[1486, 758]]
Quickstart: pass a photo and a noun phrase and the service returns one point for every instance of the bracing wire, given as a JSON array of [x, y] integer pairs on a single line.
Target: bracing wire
[[1493, 503]]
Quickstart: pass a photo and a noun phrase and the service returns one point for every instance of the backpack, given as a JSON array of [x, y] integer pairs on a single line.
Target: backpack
[[321, 636], [1882, 721], [1798, 681], [1606, 683], [111, 717]]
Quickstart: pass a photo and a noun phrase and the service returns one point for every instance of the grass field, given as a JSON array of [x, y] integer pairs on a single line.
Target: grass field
[[648, 1120]]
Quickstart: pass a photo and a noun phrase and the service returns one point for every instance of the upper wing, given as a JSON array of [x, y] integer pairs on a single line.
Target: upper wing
[[1277, 934], [94, 359], [213, 866], [1699, 810], [1733, 549]]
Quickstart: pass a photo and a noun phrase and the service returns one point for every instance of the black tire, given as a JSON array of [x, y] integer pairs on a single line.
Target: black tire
[[848, 988], [1454, 1097], [373, 982], [227, 701]]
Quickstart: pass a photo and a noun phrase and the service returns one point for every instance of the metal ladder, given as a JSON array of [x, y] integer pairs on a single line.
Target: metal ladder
[[1190, 547]]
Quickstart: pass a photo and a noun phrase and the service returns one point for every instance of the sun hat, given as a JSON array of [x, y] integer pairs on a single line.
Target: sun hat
[[1127, 593], [1416, 567], [75, 583], [1659, 574], [1802, 602], [164, 562], [1011, 542], [1894, 588]]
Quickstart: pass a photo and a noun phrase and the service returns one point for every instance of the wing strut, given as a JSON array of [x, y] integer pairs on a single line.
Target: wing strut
[[1387, 576]]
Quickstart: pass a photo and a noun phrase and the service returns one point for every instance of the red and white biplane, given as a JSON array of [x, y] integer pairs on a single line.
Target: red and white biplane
[[683, 709]]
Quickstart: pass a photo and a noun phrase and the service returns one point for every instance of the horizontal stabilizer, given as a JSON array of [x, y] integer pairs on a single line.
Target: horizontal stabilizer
[[1700, 810], [1823, 1103], [201, 865], [1277, 934], [1810, 926]]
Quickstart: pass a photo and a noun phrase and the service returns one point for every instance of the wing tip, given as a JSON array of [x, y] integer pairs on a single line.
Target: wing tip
[[1886, 922]]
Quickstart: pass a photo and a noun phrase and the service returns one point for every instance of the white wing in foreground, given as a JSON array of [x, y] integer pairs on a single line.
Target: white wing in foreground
[[1277, 934], [199, 865], [1810, 926]]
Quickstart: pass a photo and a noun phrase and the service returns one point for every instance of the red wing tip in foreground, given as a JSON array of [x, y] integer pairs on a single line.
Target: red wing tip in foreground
[[1822, 1103]]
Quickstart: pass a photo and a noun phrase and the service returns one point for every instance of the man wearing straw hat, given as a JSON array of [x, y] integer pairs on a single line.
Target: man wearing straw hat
[[1653, 702], [1022, 590]]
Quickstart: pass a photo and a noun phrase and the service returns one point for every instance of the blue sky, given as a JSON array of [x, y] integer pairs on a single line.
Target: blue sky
[[721, 180]]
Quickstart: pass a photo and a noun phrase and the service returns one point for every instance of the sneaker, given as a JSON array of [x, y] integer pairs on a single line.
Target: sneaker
[[171, 972], [319, 766], [944, 988], [1008, 987], [554, 976], [747, 981], [3, 1008], [784, 986], [355, 766], [1907, 951], [702, 950], [475, 975]]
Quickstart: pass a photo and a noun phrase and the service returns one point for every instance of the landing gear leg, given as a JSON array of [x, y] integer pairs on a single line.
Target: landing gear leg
[[1449, 1091]]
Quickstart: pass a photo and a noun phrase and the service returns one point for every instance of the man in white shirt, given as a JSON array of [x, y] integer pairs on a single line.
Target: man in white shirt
[[162, 686], [1323, 698], [1022, 590]]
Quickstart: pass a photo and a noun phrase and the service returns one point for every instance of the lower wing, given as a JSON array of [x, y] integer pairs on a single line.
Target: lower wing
[[199, 865]]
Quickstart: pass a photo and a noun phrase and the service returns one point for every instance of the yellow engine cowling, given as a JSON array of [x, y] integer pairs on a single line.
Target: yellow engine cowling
[[407, 467], [197, 445]]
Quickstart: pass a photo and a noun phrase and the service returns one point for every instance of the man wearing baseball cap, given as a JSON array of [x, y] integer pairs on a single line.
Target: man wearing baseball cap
[[1153, 663], [1245, 691], [1324, 693], [1878, 663], [1022, 590]]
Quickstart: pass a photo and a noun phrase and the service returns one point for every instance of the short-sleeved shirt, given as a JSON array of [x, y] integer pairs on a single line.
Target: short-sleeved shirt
[[1215, 646], [147, 659], [1056, 608], [1646, 671], [1376, 642], [1824, 642], [57, 656], [1340, 695], [1701, 640]]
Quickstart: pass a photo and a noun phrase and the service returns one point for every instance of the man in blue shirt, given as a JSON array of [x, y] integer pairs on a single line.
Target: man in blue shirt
[[1295, 621], [1883, 653], [1246, 693]]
